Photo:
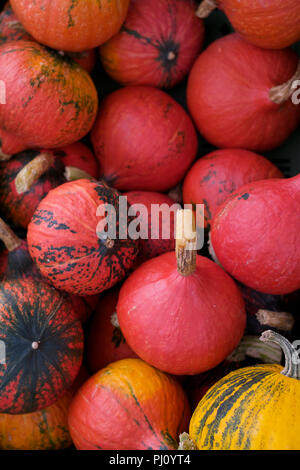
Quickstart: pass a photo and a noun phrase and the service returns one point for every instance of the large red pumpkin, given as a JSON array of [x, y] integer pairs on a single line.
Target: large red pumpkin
[[182, 317], [240, 95], [64, 238], [71, 25], [214, 177], [272, 24], [105, 341], [143, 139], [157, 235], [128, 405], [12, 30], [157, 44], [42, 344], [43, 87], [256, 235]]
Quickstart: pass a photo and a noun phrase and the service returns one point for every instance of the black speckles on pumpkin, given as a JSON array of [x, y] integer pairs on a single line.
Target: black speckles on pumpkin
[[244, 196], [211, 174], [41, 216]]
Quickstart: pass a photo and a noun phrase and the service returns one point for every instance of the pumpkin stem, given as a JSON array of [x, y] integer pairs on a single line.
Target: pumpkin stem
[[205, 8], [114, 320], [282, 93], [251, 346], [185, 442], [9, 238], [280, 320], [4, 156], [292, 361], [72, 173], [186, 242], [31, 172]]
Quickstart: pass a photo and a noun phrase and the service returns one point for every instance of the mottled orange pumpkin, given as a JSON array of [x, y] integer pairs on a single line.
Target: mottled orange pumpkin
[[71, 25]]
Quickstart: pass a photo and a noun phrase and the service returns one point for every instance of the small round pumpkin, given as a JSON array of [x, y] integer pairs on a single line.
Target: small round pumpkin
[[67, 240], [105, 341], [128, 405], [157, 44], [41, 346], [144, 139], [70, 25], [254, 408], [43, 87]]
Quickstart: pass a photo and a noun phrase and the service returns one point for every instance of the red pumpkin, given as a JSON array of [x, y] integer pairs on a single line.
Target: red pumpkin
[[156, 225], [43, 346], [143, 139], [52, 91], [240, 95], [65, 242], [256, 235], [12, 30], [214, 177], [71, 25], [105, 341], [79, 161], [271, 24], [157, 44], [129, 405], [182, 317]]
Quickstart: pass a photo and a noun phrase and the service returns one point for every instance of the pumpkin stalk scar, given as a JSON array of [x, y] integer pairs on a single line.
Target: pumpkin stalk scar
[[292, 367], [205, 8], [186, 252]]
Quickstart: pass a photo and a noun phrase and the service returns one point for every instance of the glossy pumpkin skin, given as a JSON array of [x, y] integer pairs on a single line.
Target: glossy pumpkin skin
[[249, 409], [271, 24], [234, 110], [12, 30], [54, 91], [214, 177], [105, 342], [148, 246], [63, 242], [129, 405], [246, 235], [18, 264], [183, 325], [18, 209], [34, 378], [134, 118], [157, 44], [75, 25]]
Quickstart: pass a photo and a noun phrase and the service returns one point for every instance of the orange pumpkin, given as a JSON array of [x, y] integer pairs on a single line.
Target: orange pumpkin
[[71, 25], [129, 405]]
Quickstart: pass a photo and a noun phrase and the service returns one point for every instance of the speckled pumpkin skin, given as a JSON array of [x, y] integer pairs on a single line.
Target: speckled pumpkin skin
[[129, 405], [53, 91], [254, 408], [19, 208], [32, 379], [76, 25], [63, 242]]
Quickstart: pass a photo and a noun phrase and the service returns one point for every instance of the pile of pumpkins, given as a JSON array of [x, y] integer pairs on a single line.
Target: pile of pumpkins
[[119, 343]]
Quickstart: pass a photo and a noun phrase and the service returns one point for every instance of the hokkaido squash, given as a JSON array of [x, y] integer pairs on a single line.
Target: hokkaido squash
[[254, 408], [129, 121], [216, 175], [71, 25], [105, 341], [181, 312], [12, 30], [68, 242], [256, 236], [240, 95], [41, 346], [271, 24], [43, 87], [157, 44], [128, 405]]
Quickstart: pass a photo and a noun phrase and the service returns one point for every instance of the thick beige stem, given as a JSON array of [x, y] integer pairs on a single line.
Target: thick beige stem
[[73, 173], [33, 171], [205, 8], [186, 242], [280, 320], [251, 346], [9, 238], [282, 93], [185, 442]]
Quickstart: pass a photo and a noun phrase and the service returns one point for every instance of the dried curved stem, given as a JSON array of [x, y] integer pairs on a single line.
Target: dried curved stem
[[205, 8], [280, 320], [73, 173], [282, 93], [9, 238], [292, 361], [32, 172]]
